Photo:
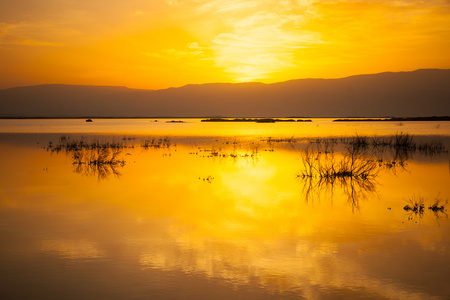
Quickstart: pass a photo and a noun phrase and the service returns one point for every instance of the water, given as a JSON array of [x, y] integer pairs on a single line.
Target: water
[[194, 127], [220, 210]]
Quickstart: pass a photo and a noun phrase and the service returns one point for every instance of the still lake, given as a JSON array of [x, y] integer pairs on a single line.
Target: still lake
[[138, 209]]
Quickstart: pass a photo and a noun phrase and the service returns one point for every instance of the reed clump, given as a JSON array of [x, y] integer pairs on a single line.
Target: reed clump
[[325, 166], [403, 145], [438, 205], [91, 158], [98, 157], [70, 145], [416, 204], [100, 162], [432, 148], [323, 172], [156, 143], [416, 207]]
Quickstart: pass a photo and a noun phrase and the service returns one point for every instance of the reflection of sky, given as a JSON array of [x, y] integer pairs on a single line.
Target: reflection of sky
[[193, 127], [249, 223]]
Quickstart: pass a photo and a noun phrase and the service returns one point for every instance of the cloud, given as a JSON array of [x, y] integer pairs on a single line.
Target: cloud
[[172, 2], [260, 37], [31, 34], [189, 51]]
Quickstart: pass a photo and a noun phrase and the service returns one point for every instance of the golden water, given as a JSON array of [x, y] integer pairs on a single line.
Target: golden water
[[218, 213]]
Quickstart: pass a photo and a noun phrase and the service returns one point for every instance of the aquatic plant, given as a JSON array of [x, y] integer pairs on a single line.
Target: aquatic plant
[[437, 206], [403, 140], [100, 162], [416, 205], [432, 148], [156, 143], [322, 173], [359, 141], [377, 142], [93, 158], [68, 145], [352, 165]]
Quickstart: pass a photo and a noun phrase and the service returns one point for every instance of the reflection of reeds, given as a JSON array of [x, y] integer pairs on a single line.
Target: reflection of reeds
[[351, 166], [92, 159], [403, 140], [399, 141], [67, 145], [354, 174], [100, 162], [416, 207], [432, 148], [402, 145], [156, 143], [437, 206]]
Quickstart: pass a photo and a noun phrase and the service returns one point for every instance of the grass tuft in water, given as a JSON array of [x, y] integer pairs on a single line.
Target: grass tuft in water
[[416, 204]]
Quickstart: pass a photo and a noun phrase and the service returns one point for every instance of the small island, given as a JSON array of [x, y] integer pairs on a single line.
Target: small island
[[434, 118], [256, 120]]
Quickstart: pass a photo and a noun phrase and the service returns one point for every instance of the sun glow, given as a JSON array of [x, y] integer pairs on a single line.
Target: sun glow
[[176, 42]]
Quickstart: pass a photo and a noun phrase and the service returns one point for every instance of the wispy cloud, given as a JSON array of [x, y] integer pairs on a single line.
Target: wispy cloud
[[189, 51], [32, 34], [261, 37]]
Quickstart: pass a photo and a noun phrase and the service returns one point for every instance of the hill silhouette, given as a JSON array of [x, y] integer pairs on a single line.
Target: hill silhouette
[[402, 94]]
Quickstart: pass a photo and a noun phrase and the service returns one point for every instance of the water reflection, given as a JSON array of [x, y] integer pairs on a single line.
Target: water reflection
[[415, 209], [354, 172], [349, 165], [355, 168], [222, 223], [91, 158]]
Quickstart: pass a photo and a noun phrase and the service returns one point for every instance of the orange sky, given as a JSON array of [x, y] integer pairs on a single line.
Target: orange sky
[[163, 43]]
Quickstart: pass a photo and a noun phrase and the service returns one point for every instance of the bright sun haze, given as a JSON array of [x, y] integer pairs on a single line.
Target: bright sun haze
[[159, 44]]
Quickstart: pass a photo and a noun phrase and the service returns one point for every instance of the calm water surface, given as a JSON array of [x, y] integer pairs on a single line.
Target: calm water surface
[[222, 210]]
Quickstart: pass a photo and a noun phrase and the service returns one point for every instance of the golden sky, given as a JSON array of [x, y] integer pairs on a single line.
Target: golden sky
[[164, 43]]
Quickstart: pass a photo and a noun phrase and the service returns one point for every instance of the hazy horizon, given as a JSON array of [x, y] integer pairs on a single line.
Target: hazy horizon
[[224, 83], [420, 93]]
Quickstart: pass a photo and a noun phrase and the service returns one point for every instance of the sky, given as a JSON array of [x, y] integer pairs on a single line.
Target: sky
[[156, 44]]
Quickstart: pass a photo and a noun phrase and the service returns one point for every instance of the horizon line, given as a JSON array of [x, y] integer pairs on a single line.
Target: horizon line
[[212, 83]]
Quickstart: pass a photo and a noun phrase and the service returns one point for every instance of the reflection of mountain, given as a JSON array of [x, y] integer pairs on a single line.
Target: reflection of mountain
[[418, 93]]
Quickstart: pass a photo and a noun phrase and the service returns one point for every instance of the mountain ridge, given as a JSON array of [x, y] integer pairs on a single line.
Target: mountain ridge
[[423, 92]]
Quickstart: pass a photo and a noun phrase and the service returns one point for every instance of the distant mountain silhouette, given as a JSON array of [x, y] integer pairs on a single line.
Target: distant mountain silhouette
[[403, 94]]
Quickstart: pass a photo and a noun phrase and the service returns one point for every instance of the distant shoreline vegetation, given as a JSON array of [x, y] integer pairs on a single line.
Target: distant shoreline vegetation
[[444, 118], [257, 120]]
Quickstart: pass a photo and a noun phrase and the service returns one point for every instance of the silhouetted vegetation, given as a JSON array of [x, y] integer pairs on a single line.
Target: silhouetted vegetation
[[156, 143], [403, 144], [416, 207], [434, 118], [322, 172], [355, 169], [100, 162], [257, 120], [325, 166], [94, 158]]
